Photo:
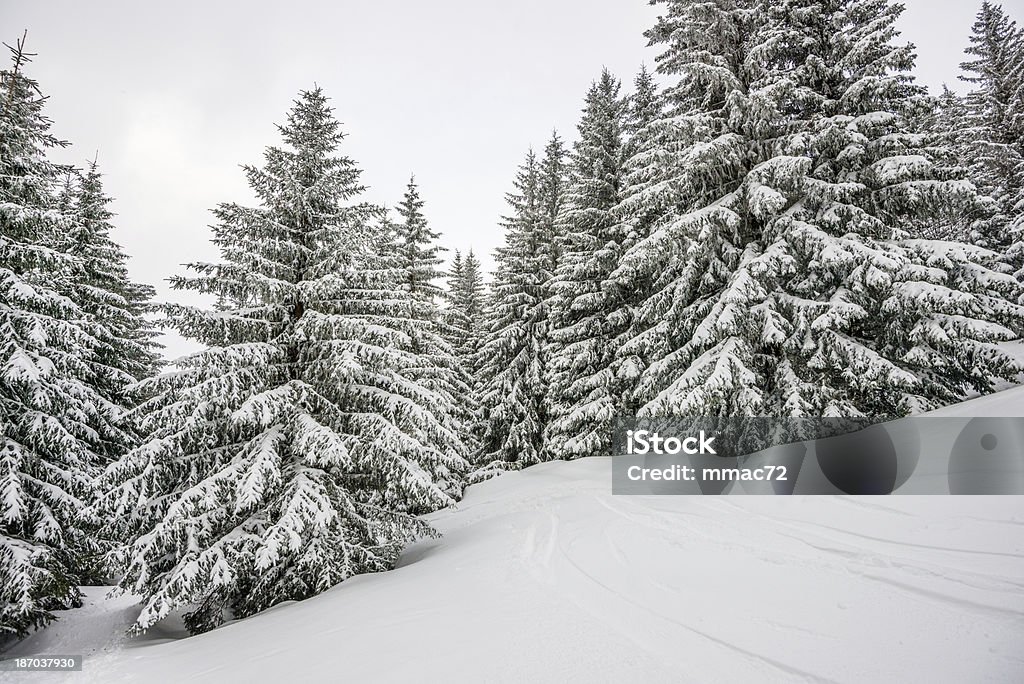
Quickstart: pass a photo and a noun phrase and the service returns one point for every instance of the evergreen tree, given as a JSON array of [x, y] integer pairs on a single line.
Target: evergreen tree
[[993, 124], [465, 312], [126, 350], [513, 353], [511, 372], [464, 320], [411, 248], [471, 301], [582, 394], [511, 383], [551, 182], [417, 256], [794, 289], [643, 107], [678, 188], [647, 149], [942, 120], [456, 320], [297, 449], [454, 279], [420, 253], [53, 422], [898, 325]]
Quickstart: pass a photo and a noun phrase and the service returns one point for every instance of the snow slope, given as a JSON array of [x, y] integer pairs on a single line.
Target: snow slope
[[543, 576], [1008, 403]]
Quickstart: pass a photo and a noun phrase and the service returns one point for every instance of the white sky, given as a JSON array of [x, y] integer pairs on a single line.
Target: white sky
[[175, 95]]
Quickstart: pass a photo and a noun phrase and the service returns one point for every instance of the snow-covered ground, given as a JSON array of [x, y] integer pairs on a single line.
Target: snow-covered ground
[[544, 576]]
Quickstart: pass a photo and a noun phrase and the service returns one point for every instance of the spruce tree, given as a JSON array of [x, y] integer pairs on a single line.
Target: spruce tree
[[993, 125], [679, 189], [513, 358], [942, 120], [582, 394], [643, 107], [794, 288], [453, 279], [894, 324], [511, 383], [551, 181], [464, 329], [420, 254], [511, 376], [471, 302], [455, 319], [416, 256], [54, 424], [465, 311], [297, 449], [125, 351], [644, 198]]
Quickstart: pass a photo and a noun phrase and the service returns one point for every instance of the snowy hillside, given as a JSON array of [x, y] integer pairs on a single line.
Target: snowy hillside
[[544, 576]]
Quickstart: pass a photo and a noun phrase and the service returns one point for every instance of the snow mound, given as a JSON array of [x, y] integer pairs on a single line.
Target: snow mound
[[543, 576]]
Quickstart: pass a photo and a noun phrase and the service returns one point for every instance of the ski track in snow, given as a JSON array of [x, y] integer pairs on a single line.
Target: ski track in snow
[[544, 576]]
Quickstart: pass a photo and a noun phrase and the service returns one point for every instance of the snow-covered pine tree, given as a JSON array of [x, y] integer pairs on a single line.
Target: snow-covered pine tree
[[644, 106], [582, 396], [416, 256], [420, 255], [465, 311], [993, 125], [453, 279], [380, 290], [471, 300], [878, 322], [464, 329], [53, 422], [512, 358], [511, 364], [510, 382], [114, 309], [455, 320], [294, 451], [797, 292], [125, 351], [679, 198], [941, 118], [947, 120], [551, 182], [647, 149]]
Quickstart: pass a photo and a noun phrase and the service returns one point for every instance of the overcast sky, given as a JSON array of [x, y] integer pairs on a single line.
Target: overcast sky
[[175, 95]]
